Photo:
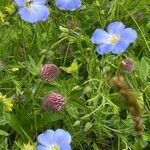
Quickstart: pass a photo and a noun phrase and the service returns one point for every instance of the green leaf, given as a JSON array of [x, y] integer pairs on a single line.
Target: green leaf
[[4, 119], [77, 123], [95, 147], [47, 117], [16, 125], [72, 111], [143, 68], [2, 132], [88, 126]]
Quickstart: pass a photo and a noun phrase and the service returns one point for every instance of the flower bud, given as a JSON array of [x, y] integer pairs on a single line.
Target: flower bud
[[128, 64], [49, 72], [54, 102]]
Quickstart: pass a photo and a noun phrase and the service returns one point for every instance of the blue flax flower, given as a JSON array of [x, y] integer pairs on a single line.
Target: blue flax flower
[[68, 4], [32, 10], [54, 140], [116, 40]]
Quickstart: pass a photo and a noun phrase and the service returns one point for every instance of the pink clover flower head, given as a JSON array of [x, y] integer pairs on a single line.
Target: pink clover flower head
[[128, 64], [54, 102], [49, 72]]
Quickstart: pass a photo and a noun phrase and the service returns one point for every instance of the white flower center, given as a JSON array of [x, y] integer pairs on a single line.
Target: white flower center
[[54, 147], [27, 3], [113, 39]]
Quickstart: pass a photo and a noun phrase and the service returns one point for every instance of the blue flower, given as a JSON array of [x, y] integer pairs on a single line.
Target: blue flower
[[68, 4], [32, 10], [116, 40], [54, 140]]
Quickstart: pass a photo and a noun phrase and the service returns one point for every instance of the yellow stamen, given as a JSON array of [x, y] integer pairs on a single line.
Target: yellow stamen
[[114, 39], [55, 147]]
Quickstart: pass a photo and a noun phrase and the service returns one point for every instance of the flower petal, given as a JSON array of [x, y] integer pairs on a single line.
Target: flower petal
[[20, 3], [104, 48], [68, 4], [41, 147], [129, 35], [115, 27], [46, 138], [99, 36], [39, 2], [41, 12], [34, 14], [120, 47], [65, 147], [26, 15], [62, 137]]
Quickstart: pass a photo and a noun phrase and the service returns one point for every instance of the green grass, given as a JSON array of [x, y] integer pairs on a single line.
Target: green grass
[[94, 115]]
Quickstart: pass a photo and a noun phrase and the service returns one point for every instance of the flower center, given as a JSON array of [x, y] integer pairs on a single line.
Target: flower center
[[54, 147], [113, 39], [27, 3]]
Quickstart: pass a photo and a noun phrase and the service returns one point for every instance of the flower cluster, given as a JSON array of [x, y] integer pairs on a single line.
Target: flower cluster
[[7, 102], [116, 40], [28, 146], [54, 140], [33, 11]]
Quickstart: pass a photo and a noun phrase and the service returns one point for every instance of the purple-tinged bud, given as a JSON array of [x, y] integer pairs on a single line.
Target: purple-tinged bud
[[139, 15], [128, 64], [54, 102], [49, 72]]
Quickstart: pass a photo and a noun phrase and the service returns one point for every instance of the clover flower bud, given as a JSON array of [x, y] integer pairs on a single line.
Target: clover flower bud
[[49, 72], [128, 64], [54, 102]]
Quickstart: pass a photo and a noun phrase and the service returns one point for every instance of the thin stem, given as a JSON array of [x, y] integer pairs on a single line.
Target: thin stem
[[148, 47], [34, 113]]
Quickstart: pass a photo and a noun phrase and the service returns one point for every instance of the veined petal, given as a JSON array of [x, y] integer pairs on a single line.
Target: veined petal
[[41, 147], [26, 15], [34, 14], [120, 47], [129, 35], [41, 12], [104, 48], [20, 3], [99, 36], [62, 137], [47, 138], [115, 27], [68, 4], [39, 2], [65, 147]]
